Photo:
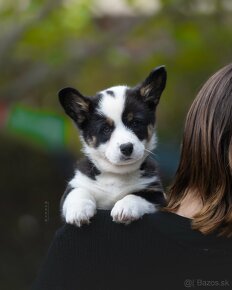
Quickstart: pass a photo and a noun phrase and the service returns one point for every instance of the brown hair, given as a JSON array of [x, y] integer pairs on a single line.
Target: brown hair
[[205, 167]]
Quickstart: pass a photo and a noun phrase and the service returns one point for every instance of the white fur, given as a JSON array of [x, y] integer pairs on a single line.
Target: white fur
[[79, 206], [108, 188], [107, 191], [130, 208], [112, 106]]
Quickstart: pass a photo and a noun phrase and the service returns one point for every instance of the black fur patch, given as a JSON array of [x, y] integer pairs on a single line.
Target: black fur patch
[[154, 192], [153, 86], [148, 168], [142, 114], [156, 197], [100, 127], [75, 105], [86, 167], [109, 92], [95, 128]]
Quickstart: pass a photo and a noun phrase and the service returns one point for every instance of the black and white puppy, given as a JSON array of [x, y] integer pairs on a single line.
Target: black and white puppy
[[117, 130]]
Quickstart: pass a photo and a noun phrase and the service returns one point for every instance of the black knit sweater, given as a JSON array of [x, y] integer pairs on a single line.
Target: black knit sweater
[[160, 251]]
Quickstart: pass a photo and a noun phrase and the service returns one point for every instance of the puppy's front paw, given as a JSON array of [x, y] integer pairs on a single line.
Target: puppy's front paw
[[131, 208], [78, 208], [79, 213]]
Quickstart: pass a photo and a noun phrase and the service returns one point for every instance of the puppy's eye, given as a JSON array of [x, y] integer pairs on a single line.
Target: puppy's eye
[[107, 129]]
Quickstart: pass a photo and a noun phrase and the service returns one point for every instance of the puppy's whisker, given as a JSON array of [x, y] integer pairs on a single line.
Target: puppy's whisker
[[150, 152]]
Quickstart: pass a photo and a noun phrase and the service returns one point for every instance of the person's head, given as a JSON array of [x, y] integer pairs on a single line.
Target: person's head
[[205, 168]]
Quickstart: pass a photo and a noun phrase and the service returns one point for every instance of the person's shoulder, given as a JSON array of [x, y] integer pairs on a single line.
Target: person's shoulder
[[102, 224]]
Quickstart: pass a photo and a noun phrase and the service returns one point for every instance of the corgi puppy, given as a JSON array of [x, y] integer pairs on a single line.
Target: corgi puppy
[[117, 131]]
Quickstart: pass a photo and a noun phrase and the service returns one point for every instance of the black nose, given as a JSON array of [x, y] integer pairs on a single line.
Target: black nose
[[126, 149]]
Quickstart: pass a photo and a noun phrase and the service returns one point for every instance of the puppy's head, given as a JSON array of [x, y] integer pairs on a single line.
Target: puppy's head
[[117, 125]]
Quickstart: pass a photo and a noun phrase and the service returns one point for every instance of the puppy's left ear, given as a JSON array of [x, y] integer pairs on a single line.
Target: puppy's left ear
[[152, 87]]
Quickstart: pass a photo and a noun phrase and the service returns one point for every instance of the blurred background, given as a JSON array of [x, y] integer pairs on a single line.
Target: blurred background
[[46, 45]]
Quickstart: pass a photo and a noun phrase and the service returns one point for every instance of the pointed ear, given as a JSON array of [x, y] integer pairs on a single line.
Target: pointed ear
[[153, 86], [74, 104]]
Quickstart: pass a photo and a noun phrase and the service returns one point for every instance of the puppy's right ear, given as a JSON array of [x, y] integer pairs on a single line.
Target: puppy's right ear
[[74, 104]]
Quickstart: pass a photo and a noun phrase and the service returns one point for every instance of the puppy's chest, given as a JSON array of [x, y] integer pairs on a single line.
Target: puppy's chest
[[109, 188]]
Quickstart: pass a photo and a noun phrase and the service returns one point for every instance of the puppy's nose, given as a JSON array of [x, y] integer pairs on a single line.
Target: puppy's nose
[[126, 148]]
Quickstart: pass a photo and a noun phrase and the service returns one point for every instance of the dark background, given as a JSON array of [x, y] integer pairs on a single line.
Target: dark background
[[90, 45]]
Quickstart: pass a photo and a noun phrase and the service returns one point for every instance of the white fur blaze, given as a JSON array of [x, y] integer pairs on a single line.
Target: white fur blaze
[[79, 206], [131, 208]]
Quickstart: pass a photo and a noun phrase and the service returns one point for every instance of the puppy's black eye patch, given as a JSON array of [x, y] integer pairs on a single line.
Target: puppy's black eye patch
[[139, 127], [101, 128], [104, 125], [136, 121], [105, 129], [137, 117]]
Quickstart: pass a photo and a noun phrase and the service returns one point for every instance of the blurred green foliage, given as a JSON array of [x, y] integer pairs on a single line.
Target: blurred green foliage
[[46, 45]]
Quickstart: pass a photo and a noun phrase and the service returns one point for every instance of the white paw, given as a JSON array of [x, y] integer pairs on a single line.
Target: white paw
[[77, 210], [131, 208]]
